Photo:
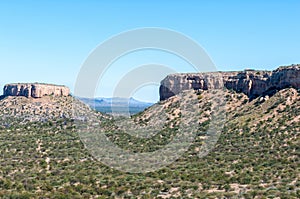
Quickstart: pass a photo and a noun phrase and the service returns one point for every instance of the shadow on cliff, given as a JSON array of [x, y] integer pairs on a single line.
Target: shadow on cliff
[[2, 97]]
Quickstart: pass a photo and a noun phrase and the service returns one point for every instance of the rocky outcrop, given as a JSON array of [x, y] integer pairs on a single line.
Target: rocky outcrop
[[35, 90], [253, 83]]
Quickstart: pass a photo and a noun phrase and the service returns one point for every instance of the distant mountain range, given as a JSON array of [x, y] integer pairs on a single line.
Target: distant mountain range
[[118, 104]]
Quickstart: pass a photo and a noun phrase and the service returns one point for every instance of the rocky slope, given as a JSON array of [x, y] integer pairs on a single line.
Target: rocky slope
[[256, 155], [250, 82], [20, 110], [35, 90]]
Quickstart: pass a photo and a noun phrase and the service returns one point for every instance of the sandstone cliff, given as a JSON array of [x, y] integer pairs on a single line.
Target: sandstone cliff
[[253, 83], [35, 90]]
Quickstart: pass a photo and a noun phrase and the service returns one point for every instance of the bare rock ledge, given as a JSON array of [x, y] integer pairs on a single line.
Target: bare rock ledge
[[253, 83], [35, 90]]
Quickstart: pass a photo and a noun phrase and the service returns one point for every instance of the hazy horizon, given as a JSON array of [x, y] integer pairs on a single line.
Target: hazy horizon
[[134, 97], [49, 41]]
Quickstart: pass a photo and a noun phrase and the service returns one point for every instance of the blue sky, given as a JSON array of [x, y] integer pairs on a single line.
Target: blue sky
[[47, 41]]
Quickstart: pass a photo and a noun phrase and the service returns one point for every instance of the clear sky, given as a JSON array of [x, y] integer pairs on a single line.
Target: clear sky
[[47, 41]]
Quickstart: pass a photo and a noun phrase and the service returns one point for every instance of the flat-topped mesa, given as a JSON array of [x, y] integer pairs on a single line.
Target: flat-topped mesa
[[35, 90], [253, 83]]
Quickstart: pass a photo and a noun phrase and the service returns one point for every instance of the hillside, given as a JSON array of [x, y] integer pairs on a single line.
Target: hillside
[[256, 156], [22, 110]]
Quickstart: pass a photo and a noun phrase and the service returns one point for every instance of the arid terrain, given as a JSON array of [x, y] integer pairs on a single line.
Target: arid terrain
[[256, 154]]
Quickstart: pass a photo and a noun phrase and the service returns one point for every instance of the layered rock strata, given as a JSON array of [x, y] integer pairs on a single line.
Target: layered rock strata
[[253, 83], [35, 90]]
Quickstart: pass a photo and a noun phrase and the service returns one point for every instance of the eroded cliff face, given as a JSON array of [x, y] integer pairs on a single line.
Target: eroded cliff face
[[35, 90], [250, 82]]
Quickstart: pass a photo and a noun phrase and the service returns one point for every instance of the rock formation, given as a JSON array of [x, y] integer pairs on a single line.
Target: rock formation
[[35, 90], [253, 83]]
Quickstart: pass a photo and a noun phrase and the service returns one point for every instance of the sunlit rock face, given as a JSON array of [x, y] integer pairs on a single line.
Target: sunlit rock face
[[250, 82], [35, 90]]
